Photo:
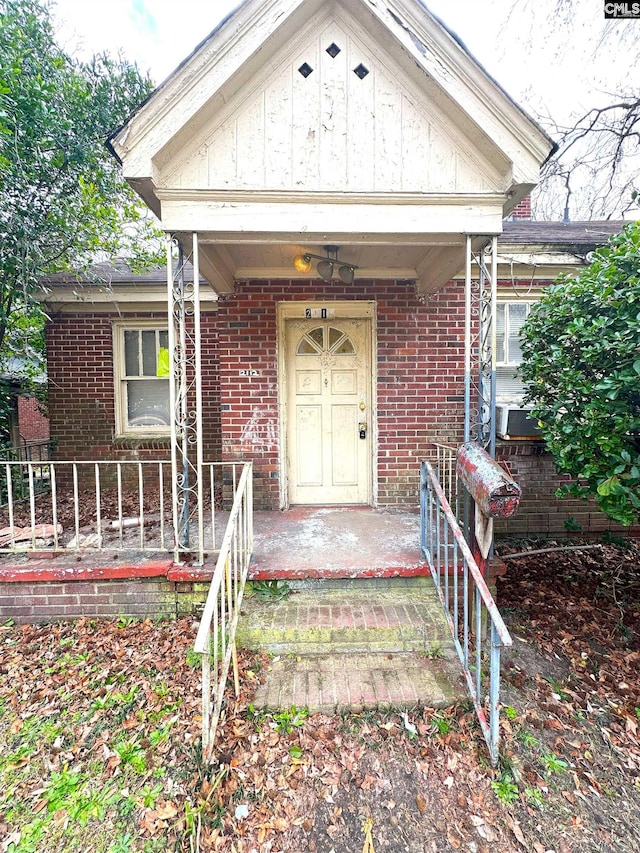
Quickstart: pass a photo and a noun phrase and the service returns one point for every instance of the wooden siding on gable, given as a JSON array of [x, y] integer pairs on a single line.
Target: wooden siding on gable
[[332, 130]]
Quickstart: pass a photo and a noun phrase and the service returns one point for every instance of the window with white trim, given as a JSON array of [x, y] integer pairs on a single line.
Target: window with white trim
[[510, 318], [141, 362]]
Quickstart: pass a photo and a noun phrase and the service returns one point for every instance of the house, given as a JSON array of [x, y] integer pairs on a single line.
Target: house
[[346, 192], [361, 133], [26, 427]]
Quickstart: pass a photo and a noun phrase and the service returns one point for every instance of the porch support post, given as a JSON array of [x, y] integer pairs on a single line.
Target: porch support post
[[494, 348], [197, 341], [185, 395], [487, 305], [467, 343], [174, 382]]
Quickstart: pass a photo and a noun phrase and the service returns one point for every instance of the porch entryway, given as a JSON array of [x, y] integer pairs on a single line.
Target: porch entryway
[[345, 603]]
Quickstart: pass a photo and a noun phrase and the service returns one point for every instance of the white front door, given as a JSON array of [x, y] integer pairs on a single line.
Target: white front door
[[328, 365]]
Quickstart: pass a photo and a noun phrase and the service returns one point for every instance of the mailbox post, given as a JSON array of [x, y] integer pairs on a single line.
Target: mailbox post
[[494, 492]]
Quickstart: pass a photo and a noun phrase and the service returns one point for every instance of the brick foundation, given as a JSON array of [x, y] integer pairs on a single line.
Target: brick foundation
[[541, 513], [140, 598]]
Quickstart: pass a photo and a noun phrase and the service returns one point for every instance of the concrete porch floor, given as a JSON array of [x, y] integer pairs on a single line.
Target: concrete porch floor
[[336, 542]]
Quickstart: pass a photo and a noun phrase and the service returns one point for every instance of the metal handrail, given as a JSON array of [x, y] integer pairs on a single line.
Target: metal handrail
[[33, 450], [467, 602], [215, 641]]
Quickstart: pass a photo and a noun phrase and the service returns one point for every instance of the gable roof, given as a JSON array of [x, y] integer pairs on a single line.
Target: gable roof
[[242, 146]]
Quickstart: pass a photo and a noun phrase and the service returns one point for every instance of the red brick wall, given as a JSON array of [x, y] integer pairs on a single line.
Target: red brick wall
[[82, 395], [419, 394], [522, 210], [420, 376], [46, 601], [33, 423], [541, 513]]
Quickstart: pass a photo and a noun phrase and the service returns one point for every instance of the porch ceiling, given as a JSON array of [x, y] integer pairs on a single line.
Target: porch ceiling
[[429, 259]]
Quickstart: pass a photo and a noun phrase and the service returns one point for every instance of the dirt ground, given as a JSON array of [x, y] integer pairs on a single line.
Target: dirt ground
[[99, 740]]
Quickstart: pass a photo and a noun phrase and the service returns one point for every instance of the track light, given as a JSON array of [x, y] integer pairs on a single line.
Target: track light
[[346, 273], [325, 270], [326, 266]]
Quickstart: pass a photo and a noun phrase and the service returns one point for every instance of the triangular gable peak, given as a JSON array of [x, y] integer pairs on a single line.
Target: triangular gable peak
[[363, 124]]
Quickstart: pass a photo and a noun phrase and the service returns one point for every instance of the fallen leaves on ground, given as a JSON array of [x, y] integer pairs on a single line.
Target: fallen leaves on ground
[[100, 741]]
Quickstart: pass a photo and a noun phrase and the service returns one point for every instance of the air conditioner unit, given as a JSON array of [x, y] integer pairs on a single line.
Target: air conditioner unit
[[515, 422]]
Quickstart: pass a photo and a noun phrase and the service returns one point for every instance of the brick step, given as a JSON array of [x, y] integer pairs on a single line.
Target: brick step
[[424, 583], [353, 619], [337, 683]]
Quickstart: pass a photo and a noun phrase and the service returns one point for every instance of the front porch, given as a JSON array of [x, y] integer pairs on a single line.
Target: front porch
[[79, 521], [346, 558]]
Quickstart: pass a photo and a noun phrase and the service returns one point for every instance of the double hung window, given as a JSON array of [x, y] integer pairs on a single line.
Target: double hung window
[[142, 379], [510, 319]]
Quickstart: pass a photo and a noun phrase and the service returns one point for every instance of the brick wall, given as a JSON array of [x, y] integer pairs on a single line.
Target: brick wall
[[522, 210], [46, 601], [82, 394], [419, 394], [33, 423], [420, 376], [541, 513]]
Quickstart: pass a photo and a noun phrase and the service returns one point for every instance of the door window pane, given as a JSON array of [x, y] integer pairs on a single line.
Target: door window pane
[[305, 347], [317, 336]]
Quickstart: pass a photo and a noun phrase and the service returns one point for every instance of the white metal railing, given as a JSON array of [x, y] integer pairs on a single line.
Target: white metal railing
[[98, 506], [215, 642], [445, 457], [467, 602]]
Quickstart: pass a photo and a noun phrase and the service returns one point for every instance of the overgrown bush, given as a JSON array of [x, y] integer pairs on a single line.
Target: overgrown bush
[[581, 365]]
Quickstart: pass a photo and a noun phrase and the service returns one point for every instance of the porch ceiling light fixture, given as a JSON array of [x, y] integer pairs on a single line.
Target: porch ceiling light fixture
[[327, 265]]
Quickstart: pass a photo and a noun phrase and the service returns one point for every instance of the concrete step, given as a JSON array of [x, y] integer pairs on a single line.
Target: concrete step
[[354, 619], [338, 683]]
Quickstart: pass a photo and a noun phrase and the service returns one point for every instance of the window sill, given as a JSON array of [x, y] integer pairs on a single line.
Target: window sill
[[128, 441]]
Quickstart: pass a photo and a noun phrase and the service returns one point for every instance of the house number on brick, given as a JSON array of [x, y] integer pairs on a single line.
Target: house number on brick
[[249, 371], [319, 313]]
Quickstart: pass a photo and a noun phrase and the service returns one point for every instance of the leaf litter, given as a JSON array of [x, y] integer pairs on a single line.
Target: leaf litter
[[100, 740]]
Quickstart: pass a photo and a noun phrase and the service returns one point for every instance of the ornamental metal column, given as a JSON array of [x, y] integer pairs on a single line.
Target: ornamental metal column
[[480, 345], [185, 396], [480, 376]]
